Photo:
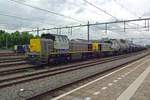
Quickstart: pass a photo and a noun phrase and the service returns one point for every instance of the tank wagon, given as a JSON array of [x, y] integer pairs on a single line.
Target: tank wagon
[[52, 48]]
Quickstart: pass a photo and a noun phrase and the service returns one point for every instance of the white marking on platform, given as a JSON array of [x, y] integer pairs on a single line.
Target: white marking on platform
[[110, 84], [96, 93], [65, 94], [21, 89], [129, 92], [119, 78], [87, 98], [122, 76], [115, 81], [104, 88]]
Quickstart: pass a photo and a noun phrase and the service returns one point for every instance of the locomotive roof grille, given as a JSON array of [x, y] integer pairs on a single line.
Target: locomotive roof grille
[[51, 36]]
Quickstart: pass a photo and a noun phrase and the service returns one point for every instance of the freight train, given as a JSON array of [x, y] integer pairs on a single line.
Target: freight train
[[52, 48]]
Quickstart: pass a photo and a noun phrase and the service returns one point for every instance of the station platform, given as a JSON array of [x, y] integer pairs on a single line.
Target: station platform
[[130, 82]]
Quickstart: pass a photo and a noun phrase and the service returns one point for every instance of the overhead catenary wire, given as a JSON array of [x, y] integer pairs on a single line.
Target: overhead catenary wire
[[22, 18], [86, 9], [89, 10], [48, 11], [104, 11], [100, 9], [84, 25], [90, 24], [58, 13], [126, 8]]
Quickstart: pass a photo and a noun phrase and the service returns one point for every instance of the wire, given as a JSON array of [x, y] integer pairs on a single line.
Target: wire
[[22, 18], [100, 9], [125, 8], [45, 10], [105, 11]]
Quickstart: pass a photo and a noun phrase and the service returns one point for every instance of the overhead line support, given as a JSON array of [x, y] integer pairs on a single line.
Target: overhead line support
[[88, 31], [106, 28], [85, 25], [148, 25]]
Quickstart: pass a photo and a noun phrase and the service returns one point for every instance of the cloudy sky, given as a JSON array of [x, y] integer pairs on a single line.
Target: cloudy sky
[[76, 12]]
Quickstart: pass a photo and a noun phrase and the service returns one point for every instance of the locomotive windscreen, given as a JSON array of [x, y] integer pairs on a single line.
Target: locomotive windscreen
[[48, 36]]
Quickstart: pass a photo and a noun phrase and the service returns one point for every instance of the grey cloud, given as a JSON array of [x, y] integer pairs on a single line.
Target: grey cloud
[[80, 10]]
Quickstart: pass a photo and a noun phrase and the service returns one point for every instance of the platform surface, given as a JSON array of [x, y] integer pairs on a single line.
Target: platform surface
[[131, 82]]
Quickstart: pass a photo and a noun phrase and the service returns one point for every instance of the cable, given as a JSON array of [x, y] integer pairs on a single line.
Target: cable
[[12, 16], [105, 11], [125, 8], [21, 18], [89, 10], [100, 9], [45, 10]]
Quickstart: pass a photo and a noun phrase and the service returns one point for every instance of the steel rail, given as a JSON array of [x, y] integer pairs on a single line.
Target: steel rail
[[50, 72]]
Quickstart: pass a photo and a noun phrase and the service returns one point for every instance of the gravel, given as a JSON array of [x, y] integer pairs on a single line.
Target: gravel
[[29, 89]]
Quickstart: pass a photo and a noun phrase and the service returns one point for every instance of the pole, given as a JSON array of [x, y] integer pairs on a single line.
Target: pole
[[145, 23], [88, 31], [71, 31], [60, 31], [6, 41], [38, 31], [85, 25], [57, 30], [124, 26], [20, 42], [148, 25], [106, 28]]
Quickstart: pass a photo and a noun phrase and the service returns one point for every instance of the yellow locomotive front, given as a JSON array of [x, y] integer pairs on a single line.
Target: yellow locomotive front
[[35, 45], [39, 50]]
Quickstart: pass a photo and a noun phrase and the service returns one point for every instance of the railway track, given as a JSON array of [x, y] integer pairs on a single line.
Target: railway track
[[16, 69], [18, 64], [13, 65], [8, 54], [11, 60], [8, 57], [11, 57], [38, 74], [23, 66]]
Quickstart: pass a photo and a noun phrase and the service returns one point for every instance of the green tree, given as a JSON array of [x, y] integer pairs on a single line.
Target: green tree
[[26, 37], [15, 38]]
